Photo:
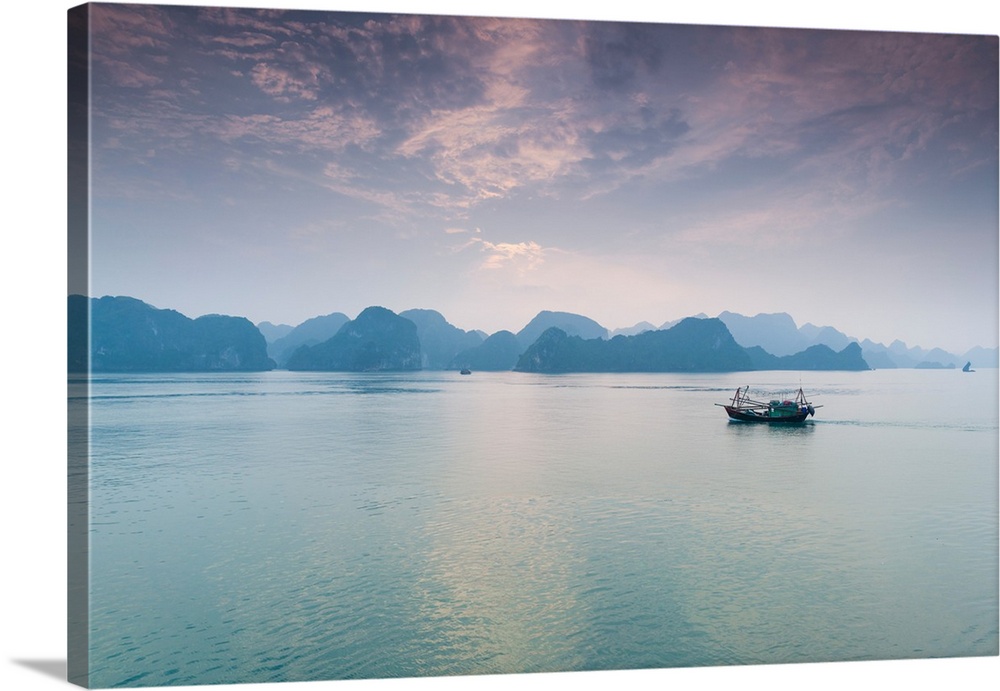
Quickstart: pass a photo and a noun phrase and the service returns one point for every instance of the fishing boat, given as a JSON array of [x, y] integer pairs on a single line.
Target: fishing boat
[[789, 411]]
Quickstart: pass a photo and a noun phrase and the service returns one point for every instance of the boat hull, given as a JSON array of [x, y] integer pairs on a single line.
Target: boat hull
[[749, 416]]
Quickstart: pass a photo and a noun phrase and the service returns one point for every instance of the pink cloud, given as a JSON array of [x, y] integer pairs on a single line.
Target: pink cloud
[[280, 82]]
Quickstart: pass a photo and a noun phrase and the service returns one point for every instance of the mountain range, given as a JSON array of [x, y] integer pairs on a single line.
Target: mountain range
[[378, 340], [778, 334], [129, 335]]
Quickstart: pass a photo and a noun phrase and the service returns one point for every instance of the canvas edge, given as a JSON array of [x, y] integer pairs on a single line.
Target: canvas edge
[[78, 337]]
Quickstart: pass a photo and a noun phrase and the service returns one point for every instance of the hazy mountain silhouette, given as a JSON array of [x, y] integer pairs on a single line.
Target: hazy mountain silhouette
[[440, 341], [310, 332], [693, 345], [497, 353], [675, 322], [378, 340], [633, 330], [817, 357], [898, 354], [273, 332], [571, 324], [982, 357], [778, 335], [775, 333]]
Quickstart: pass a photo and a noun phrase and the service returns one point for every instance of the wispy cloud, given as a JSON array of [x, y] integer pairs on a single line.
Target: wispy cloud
[[484, 108], [324, 128], [520, 257], [283, 83], [525, 255]]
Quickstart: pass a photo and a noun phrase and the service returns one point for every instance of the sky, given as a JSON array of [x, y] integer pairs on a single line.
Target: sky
[[280, 165]]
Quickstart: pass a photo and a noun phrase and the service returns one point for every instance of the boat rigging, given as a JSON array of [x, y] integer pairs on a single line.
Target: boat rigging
[[742, 408]]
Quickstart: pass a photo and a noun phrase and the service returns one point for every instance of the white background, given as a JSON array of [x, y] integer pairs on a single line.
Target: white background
[[33, 256]]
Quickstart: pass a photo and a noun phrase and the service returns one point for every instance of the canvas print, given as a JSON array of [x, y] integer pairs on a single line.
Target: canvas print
[[409, 345]]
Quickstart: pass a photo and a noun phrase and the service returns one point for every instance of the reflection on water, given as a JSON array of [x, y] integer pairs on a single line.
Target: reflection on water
[[287, 526], [793, 431]]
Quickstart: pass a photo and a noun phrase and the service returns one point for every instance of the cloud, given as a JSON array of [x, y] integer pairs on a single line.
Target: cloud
[[438, 116], [120, 34], [281, 82], [243, 40], [520, 256], [855, 104], [511, 136], [486, 152], [324, 128], [616, 53], [123, 30]]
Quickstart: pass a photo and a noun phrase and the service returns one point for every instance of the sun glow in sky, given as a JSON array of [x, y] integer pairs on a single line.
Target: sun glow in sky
[[283, 164]]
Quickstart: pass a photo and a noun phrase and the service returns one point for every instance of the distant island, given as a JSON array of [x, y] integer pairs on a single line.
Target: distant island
[[377, 341], [693, 345], [128, 335]]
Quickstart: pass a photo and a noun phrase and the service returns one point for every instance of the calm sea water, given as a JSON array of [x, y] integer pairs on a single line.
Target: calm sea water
[[287, 526]]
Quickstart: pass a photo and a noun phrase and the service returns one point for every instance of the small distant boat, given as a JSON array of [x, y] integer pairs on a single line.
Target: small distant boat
[[790, 411], [466, 371], [968, 367]]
